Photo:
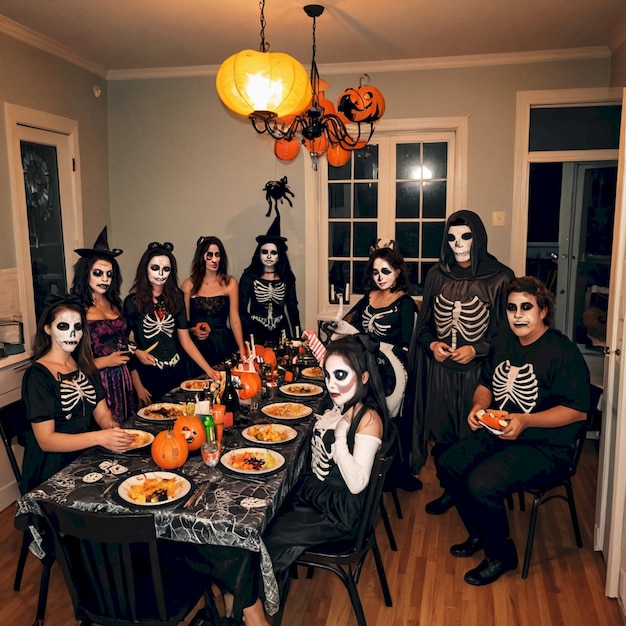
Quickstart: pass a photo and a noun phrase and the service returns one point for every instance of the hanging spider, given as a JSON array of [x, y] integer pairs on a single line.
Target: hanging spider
[[275, 191]]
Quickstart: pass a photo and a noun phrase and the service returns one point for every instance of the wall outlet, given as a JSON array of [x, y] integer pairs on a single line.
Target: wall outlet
[[497, 218]]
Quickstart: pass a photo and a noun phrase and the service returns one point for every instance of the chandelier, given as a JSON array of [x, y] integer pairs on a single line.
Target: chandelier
[[314, 121]]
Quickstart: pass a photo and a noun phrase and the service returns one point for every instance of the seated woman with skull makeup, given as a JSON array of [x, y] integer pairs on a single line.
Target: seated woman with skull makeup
[[63, 395]]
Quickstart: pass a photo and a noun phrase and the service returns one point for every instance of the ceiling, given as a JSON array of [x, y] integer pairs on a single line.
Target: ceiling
[[110, 36]]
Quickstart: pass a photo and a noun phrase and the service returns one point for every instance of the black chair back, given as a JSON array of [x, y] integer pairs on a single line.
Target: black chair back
[[116, 570]]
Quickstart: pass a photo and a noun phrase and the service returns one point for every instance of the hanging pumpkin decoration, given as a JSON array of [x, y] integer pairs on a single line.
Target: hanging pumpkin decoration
[[337, 156], [191, 428], [363, 104], [169, 450], [286, 150], [317, 146]]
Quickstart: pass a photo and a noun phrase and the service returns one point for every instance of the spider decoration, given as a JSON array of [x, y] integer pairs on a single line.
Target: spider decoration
[[277, 191]]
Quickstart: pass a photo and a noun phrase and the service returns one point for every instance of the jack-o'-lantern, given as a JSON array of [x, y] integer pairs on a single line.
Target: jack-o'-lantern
[[169, 450], [192, 429], [250, 383], [363, 104]]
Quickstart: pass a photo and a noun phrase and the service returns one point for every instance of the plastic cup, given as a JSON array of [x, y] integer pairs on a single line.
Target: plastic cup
[[219, 418], [229, 419]]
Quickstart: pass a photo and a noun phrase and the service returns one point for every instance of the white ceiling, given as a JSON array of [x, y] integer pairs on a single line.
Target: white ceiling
[[113, 35]]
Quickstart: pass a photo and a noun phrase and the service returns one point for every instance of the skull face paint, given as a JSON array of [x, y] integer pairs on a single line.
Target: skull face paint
[[66, 330], [460, 240], [341, 380], [159, 270], [100, 276], [212, 257], [269, 256], [384, 275]]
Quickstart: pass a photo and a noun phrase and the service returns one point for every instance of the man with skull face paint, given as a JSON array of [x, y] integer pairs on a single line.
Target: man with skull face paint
[[155, 312], [268, 304], [462, 311], [62, 394]]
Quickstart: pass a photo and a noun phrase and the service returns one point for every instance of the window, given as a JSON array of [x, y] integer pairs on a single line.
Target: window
[[402, 186]]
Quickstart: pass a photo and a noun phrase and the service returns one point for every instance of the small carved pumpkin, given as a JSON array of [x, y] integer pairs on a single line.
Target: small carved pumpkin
[[169, 450], [250, 383], [192, 429], [363, 104]]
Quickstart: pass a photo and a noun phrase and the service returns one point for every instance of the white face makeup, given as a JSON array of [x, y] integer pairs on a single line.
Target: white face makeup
[[525, 317], [341, 380], [159, 270], [384, 275], [460, 240], [269, 255], [101, 276], [212, 257], [66, 330]]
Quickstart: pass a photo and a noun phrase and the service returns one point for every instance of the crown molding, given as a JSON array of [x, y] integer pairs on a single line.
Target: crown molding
[[30, 37], [619, 36]]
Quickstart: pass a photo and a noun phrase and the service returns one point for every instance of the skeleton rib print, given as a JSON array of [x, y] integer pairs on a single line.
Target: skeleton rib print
[[76, 390], [154, 326], [468, 319], [515, 384]]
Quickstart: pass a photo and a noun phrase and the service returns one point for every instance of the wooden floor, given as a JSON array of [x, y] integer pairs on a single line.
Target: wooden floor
[[565, 586]]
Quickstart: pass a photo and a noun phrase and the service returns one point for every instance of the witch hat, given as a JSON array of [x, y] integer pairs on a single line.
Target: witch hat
[[273, 233], [100, 247]]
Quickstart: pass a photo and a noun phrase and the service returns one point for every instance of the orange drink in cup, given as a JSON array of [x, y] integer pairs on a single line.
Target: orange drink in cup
[[219, 417]]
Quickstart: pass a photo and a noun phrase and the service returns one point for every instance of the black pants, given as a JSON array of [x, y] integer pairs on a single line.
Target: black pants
[[480, 471]]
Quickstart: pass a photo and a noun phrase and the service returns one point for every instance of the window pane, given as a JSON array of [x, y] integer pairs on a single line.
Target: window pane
[[435, 199], [339, 239], [366, 163], [407, 200], [433, 236], [413, 267], [408, 161], [366, 200], [364, 236], [338, 276], [340, 173], [407, 236], [359, 277], [339, 200], [436, 160]]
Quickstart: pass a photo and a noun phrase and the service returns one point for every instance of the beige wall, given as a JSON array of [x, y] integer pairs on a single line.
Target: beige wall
[[182, 166], [618, 66], [34, 79]]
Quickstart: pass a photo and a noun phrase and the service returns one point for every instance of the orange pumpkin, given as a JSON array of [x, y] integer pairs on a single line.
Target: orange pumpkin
[[250, 383], [269, 357], [202, 327], [317, 146], [286, 150], [337, 156], [192, 429], [363, 104], [169, 450]]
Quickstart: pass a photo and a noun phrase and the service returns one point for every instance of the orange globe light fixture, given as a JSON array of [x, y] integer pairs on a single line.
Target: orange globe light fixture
[[263, 84]]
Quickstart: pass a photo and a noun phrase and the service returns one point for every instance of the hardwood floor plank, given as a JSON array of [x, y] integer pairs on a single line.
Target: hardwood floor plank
[[565, 585]]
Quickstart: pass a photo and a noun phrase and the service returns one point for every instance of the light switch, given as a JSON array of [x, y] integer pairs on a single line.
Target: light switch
[[497, 218]]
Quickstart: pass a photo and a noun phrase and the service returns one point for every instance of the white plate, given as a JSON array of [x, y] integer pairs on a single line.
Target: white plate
[[194, 385], [301, 390], [286, 432], [182, 487], [162, 407], [313, 372], [258, 453], [142, 438], [286, 410]]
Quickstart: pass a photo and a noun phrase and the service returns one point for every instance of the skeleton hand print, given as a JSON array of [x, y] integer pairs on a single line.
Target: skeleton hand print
[[515, 384], [468, 319]]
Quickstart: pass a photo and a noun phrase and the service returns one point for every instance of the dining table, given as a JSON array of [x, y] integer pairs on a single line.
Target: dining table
[[220, 506]]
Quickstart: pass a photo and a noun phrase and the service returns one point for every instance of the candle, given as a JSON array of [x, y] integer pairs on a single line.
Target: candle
[[253, 352]]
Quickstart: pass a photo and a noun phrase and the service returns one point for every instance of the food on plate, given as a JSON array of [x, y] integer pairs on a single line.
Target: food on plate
[[300, 389], [252, 461], [164, 410], [140, 438], [313, 372], [268, 432], [155, 489], [493, 418], [194, 385], [286, 409]]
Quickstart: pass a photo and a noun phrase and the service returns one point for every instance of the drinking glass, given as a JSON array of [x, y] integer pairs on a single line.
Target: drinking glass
[[211, 455]]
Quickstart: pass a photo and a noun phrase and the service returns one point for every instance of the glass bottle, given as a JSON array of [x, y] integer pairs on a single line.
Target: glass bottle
[[230, 399], [209, 427]]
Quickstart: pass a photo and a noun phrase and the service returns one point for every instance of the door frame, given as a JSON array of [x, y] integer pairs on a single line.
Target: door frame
[[24, 124]]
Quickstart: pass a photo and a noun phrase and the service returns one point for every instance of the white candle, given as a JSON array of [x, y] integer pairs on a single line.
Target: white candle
[[347, 293], [332, 293], [253, 351]]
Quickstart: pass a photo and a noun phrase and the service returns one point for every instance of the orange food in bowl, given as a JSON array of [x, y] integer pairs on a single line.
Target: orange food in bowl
[[493, 418]]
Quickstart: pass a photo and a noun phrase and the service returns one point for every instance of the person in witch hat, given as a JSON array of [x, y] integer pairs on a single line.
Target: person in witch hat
[[97, 282], [268, 304]]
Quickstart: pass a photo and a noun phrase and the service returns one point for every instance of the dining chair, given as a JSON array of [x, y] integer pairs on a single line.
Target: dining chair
[[118, 573], [345, 558], [12, 426]]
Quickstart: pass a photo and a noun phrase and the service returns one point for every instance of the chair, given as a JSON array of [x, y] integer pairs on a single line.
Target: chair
[[345, 558], [118, 573], [13, 425], [542, 493]]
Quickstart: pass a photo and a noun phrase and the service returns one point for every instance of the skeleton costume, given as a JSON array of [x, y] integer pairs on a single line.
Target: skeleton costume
[[70, 402], [159, 325], [461, 306], [480, 471], [269, 307]]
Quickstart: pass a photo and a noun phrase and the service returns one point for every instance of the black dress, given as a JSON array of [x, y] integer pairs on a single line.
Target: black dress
[[215, 310], [70, 402]]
